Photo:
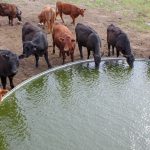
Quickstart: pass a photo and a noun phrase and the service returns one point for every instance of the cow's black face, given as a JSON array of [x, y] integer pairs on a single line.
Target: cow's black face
[[97, 60], [19, 17], [28, 49], [13, 63], [18, 14], [130, 60]]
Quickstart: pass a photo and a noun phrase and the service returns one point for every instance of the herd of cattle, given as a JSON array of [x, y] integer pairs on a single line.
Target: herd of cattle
[[34, 39]]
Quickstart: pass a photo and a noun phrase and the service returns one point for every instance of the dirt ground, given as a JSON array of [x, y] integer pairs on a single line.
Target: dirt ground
[[97, 18]]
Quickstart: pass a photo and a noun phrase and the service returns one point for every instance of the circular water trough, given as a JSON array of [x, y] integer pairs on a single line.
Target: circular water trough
[[77, 107]]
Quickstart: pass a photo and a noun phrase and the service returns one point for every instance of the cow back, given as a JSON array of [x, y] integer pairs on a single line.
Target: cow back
[[28, 31], [8, 9]]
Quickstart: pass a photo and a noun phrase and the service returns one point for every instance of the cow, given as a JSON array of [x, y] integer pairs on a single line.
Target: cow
[[9, 63], [68, 9], [119, 40], [88, 37], [2, 93], [10, 10], [47, 16], [64, 40], [34, 43]]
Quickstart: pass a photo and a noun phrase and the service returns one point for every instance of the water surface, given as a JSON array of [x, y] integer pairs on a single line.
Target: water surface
[[80, 108]]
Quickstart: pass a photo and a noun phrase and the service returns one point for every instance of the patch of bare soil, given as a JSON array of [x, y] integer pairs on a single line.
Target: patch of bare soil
[[11, 36]]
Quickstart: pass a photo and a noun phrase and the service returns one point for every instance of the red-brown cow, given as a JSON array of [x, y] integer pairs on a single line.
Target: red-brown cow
[[48, 15], [64, 40], [69, 9], [11, 11]]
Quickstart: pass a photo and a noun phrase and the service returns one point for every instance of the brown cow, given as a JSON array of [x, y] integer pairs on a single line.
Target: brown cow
[[48, 16], [69, 9], [11, 11], [64, 40], [2, 93]]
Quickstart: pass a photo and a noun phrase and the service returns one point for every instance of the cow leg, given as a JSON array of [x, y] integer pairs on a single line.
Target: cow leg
[[60, 53], [108, 49], [3, 80], [88, 54], [117, 53], [46, 59], [61, 17], [73, 20], [9, 18], [11, 82], [49, 26], [80, 49], [36, 60], [72, 58], [64, 57], [113, 52], [53, 46]]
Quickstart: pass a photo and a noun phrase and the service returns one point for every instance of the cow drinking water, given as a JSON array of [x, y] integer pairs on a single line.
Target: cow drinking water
[[87, 37], [119, 40]]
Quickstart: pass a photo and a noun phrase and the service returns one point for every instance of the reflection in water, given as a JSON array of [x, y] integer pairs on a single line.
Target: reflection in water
[[116, 69], [64, 78], [89, 76], [36, 89], [13, 127]]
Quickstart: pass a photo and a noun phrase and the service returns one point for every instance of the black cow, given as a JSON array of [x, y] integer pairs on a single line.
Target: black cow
[[117, 38], [34, 43], [9, 63], [88, 38]]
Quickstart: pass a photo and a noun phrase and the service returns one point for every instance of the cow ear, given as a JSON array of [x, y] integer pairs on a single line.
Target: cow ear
[[61, 39]]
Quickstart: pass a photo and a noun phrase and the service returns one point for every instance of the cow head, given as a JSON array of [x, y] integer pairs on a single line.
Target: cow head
[[29, 48], [12, 61], [18, 14], [130, 59], [82, 12], [97, 60], [68, 44]]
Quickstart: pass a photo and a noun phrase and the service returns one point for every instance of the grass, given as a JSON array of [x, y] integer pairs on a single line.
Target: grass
[[137, 12]]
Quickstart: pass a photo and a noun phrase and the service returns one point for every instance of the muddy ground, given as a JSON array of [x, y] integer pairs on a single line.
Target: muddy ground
[[99, 19]]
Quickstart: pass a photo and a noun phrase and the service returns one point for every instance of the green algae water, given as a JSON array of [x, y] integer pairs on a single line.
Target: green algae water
[[80, 108]]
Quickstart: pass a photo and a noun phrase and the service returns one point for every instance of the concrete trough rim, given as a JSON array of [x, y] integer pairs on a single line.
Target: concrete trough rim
[[62, 67]]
